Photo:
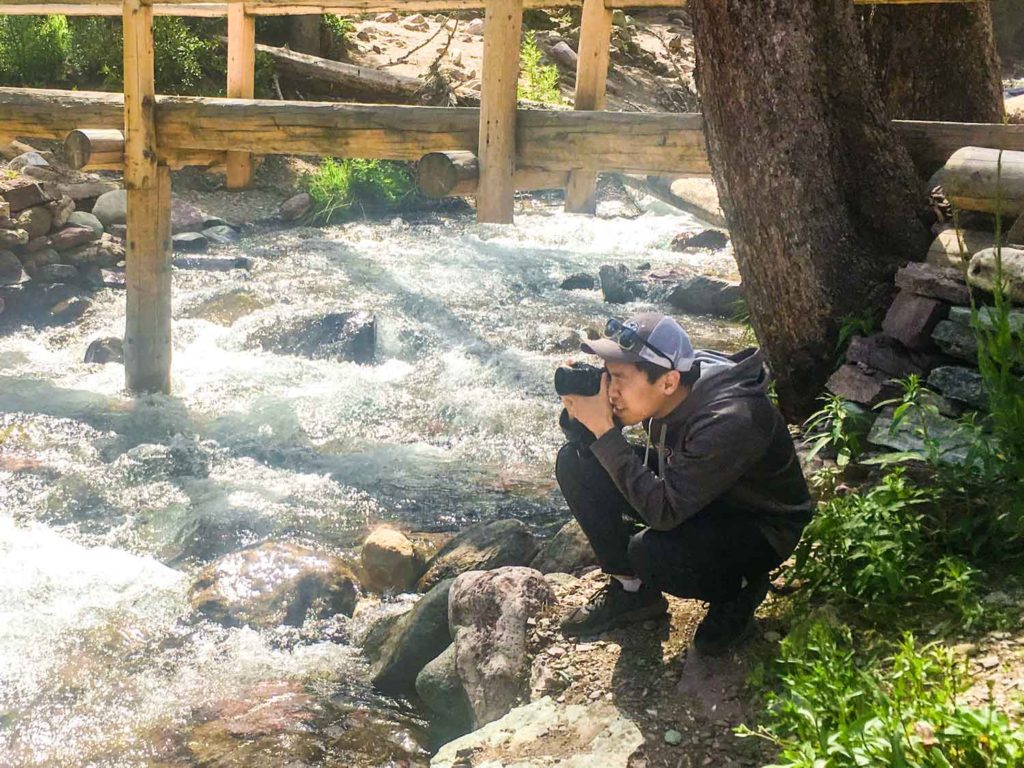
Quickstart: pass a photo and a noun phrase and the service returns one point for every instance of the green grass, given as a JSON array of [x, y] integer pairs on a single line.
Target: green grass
[[342, 188]]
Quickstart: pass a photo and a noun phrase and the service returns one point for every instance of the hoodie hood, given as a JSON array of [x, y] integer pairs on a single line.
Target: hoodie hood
[[722, 377]]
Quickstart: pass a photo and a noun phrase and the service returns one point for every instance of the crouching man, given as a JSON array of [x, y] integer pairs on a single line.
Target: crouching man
[[711, 504]]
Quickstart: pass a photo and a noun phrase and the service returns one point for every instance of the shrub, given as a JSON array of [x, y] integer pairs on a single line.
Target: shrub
[[838, 707], [340, 186], [537, 81], [33, 49]]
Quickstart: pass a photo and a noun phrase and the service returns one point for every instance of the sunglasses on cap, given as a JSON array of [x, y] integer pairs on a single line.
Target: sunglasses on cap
[[628, 339]]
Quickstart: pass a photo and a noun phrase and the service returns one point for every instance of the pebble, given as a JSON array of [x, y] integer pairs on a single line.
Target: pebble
[[673, 737], [772, 637], [989, 662], [595, 695]]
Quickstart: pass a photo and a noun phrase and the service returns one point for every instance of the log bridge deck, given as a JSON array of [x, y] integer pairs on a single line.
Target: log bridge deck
[[489, 152]]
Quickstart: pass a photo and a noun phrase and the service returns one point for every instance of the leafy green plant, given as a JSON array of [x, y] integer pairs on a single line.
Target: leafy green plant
[[33, 49], [839, 425], [840, 707], [537, 81], [339, 27], [339, 186]]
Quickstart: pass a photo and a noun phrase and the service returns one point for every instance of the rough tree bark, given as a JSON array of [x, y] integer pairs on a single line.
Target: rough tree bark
[[304, 34], [935, 62], [821, 197]]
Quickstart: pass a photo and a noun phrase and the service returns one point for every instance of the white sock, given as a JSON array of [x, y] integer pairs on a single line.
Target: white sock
[[629, 583]]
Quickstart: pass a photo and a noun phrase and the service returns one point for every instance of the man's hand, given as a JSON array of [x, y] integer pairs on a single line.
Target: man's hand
[[595, 413]]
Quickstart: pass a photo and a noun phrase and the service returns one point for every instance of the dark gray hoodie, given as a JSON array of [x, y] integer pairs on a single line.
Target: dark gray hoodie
[[725, 443]]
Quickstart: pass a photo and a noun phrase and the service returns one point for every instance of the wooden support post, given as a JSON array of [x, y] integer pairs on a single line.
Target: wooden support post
[[147, 338], [241, 83], [591, 78], [503, 24]]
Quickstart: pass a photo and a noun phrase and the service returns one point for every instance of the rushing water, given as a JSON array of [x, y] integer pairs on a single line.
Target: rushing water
[[108, 504]]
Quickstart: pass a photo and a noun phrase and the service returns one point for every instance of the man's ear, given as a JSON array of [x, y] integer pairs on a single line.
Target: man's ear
[[671, 382]]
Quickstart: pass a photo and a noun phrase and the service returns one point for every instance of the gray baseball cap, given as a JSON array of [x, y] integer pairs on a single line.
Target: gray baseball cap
[[641, 338]]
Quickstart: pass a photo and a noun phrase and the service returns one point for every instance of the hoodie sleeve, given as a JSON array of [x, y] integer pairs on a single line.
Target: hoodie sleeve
[[719, 447]]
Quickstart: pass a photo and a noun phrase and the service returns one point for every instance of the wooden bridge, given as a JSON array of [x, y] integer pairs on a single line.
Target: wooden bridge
[[489, 152]]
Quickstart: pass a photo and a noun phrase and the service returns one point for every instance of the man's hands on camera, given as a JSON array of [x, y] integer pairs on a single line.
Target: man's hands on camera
[[595, 413]]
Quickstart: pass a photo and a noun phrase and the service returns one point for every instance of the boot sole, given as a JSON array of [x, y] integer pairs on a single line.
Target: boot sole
[[632, 617]]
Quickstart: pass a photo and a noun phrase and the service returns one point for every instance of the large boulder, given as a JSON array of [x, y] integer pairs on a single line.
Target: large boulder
[[111, 208], [545, 734], [981, 272], [705, 295], [618, 286], [108, 349], [85, 219], [349, 336], [488, 613], [390, 561], [481, 548], [273, 584], [440, 687], [416, 639], [565, 552]]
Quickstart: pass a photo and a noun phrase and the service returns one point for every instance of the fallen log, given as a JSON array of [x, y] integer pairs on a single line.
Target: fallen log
[[443, 174], [364, 81], [987, 180]]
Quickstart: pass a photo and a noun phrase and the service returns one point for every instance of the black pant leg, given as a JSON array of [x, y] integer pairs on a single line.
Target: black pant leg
[[705, 558], [598, 506]]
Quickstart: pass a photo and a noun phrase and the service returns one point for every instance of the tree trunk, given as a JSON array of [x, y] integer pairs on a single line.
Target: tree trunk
[[935, 62], [821, 197], [304, 34]]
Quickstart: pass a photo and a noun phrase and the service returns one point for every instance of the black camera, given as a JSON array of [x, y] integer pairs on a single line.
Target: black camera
[[579, 379]]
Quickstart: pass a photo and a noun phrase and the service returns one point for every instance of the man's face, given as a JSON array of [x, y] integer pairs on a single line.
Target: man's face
[[634, 398]]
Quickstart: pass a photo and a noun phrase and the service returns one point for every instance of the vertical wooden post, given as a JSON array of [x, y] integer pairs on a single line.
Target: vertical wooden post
[[241, 82], [495, 197], [147, 338], [591, 78]]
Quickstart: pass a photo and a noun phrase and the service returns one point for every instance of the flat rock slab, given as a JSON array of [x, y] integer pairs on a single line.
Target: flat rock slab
[[190, 242], [957, 340], [852, 382], [959, 383], [943, 283], [887, 355], [544, 735], [951, 444], [911, 319]]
